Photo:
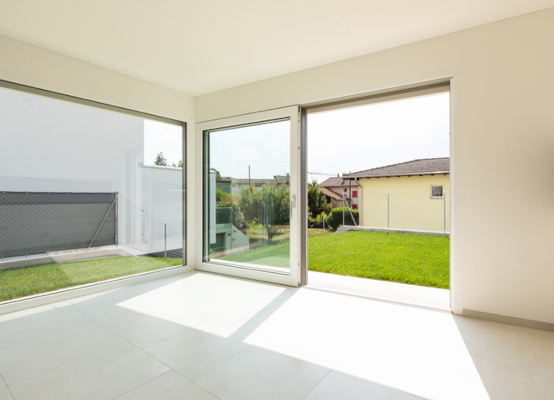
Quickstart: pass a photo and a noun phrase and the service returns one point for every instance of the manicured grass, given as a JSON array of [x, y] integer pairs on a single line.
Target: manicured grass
[[27, 281], [277, 255], [398, 257]]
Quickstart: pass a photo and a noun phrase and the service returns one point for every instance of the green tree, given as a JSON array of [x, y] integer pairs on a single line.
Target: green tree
[[160, 159], [179, 164], [269, 206], [317, 202], [228, 210]]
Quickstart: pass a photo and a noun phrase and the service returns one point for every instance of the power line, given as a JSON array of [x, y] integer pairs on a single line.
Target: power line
[[321, 173]]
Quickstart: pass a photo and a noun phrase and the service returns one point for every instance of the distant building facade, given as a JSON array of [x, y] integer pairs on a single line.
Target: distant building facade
[[413, 195], [334, 189]]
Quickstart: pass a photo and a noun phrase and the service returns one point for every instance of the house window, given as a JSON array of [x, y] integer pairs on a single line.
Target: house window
[[436, 192], [354, 193], [354, 206]]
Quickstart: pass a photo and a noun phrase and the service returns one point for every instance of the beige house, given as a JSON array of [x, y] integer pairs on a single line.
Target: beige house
[[412, 195], [334, 188]]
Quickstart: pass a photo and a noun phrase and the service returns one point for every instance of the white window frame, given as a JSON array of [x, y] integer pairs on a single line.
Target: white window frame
[[243, 270], [442, 192]]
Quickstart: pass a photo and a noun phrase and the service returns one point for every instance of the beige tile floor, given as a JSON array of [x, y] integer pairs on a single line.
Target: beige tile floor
[[204, 336]]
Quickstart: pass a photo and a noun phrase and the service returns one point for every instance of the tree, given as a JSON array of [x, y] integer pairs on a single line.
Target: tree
[[179, 164], [160, 159], [228, 210], [317, 202], [269, 206]]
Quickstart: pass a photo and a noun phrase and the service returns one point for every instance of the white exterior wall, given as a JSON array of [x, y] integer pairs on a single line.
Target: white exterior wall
[[502, 153], [55, 146]]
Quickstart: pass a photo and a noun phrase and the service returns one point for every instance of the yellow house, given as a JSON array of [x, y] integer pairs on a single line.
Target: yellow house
[[413, 195]]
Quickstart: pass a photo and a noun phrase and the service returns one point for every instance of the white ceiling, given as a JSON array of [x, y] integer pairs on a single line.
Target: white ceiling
[[201, 46]]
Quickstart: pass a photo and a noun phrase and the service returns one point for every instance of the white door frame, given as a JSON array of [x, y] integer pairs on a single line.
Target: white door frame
[[297, 202]]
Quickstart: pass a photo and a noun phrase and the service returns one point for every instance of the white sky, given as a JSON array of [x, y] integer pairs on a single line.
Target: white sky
[[265, 148], [340, 141], [166, 138], [358, 138]]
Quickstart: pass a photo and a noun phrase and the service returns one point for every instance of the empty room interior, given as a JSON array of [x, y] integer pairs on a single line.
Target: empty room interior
[[154, 187]]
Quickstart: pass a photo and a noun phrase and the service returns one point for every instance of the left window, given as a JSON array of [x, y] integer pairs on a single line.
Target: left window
[[88, 192]]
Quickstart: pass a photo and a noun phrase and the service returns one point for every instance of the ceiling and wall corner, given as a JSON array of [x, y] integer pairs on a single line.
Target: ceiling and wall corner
[[198, 47], [34, 66]]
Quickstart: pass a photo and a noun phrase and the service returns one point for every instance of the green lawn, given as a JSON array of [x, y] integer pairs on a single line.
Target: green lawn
[[27, 281], [398, 257], [276, 255]]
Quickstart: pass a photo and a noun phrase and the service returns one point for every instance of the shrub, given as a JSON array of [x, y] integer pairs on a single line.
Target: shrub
[[334, 220], [317, 222]]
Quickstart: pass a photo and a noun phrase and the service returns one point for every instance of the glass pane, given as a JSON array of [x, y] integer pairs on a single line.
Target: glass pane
[[86, 194], [246, 195]]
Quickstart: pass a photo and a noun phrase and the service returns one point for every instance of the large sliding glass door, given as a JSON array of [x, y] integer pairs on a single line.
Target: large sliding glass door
[[250, 196]]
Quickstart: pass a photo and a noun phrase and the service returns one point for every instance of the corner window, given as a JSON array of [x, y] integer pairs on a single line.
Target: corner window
[[88, 192], [436, 192]]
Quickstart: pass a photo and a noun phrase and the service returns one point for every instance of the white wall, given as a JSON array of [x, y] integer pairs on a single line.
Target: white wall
[[502, 148], [56, 146]]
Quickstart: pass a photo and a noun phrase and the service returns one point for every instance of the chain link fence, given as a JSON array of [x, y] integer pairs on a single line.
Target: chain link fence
[[406, 211], [39, 223]]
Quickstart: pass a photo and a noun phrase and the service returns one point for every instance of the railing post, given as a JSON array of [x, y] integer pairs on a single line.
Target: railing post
[[116, 219], [444, 210], [165, 239], [343, 208]]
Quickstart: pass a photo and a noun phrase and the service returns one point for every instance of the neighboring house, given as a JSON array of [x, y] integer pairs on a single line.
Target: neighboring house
[[412, 195], [334, 189]]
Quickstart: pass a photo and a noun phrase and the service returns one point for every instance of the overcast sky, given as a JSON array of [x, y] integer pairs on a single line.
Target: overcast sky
[[265, 148], [165, 138], [359, 138], [340, 141]]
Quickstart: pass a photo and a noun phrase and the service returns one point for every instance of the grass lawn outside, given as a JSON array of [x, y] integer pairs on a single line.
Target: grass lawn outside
[[20, 282], [397, 257]]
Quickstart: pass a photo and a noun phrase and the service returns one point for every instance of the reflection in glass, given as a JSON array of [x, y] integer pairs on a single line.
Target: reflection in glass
[[247, 197], [87, 185]]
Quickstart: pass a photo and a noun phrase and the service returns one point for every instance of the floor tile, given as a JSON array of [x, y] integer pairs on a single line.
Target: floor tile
[[195, 352], [235, 308], [103, 375], [511, 383], [237, 338], [337, 385], [110, 296], [4, 391], [497, 342], [169, 386], [23, 327], [262, 374], [147, 319], [25, 360]]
